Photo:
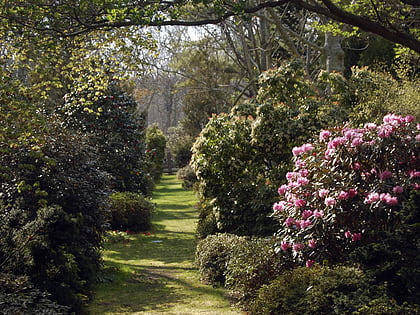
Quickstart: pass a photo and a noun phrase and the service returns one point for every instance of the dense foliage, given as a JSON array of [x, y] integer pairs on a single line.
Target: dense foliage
[[155, 151], [241, 157], [130, 211]]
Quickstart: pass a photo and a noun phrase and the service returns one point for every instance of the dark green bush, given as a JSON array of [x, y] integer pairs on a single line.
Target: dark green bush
[[252, 263], [212, 256], [187, 175], [129, 211], [19, 297], [155, 151], [51, 208], [326, 290], [396, 257], [207, 224]]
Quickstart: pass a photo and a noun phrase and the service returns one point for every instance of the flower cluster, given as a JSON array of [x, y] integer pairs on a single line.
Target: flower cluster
[[348, 183]]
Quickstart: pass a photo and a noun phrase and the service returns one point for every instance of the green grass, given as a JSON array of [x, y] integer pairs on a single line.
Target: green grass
[[154, 274]]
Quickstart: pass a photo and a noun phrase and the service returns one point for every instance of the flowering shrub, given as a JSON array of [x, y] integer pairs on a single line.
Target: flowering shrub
[[347, 187]]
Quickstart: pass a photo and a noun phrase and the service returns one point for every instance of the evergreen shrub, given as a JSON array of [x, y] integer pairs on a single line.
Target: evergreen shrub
[[130, 211]]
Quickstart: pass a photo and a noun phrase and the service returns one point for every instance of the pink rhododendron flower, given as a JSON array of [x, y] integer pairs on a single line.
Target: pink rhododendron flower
[[297, 151], [324, 135], [330, 201], [318, 214], [300, 203], [303, 224], [298, 247], [323, 192], [387, 198], [299, 163], [282, 189], [414, 174], [370, 126], [409, 119], [312, 243], [356, 166], [289, 221], [279, 206], [334, 143], [393, 119], [328, 153], [307, 147], [284, 246], [418, 137], [372, 197], [343, 195], [356, 237], [304, 172], [356, 142], [309, 263], [347, 234], [292, 175], [385, 131], [306, 214], [302, 181], [352, 192], [397, 190], [385, 175]]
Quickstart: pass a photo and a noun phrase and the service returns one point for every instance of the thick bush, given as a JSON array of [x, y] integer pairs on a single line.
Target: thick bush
[[326, 290], [18, 296], [129, 211], [347, 188], [51, 207], [155, 151], [187, 175], [252, 264], [241, 157], [117, 131], [212, 256]]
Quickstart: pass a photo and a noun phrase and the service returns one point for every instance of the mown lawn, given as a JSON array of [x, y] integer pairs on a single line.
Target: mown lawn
[[154, 274]]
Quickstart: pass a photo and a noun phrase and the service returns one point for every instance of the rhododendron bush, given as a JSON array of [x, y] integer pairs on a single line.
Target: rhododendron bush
[[347, 187]]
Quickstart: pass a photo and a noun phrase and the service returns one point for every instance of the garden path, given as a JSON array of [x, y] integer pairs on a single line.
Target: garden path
[[154, 273]]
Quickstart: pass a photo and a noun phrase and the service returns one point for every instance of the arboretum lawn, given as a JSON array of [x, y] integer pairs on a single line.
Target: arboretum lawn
[[154, 274]]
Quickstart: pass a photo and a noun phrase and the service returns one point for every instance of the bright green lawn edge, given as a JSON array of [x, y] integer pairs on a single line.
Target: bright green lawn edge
[[154, 274]]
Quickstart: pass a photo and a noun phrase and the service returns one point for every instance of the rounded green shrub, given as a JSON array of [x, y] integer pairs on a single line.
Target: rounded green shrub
[[130, 211], [187, 175], [252, 263], [212, 256], [323, 290]]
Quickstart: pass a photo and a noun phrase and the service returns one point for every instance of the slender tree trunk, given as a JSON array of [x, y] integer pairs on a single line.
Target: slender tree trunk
[[334, 53]]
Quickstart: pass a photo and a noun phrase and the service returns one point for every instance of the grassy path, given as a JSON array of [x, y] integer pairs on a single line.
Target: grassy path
[[154, 274]]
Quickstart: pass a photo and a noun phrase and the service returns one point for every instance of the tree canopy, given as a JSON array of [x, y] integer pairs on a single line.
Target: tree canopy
[[394, 20]]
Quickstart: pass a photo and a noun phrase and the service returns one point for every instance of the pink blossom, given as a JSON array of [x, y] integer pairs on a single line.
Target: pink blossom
[[328, 153], [298, 247], [416, 186], [284, 246], [304, 172], [300, 203], [347, 234], [393, 119], [303, 224], [334, 143], [302, 181], [409, 119], [372, 197], [352, 192], [299, 163], [312, 243], [318, 214], [324, 135], [282, 189], [297, 151], [413, 174], [418, 137], [385, 131], [356, 142], [397, 190], [279, 206], [292, 175], [289, 221], [330, 201], [343, 195], [307, 147], [387, 198], [306, 214], [385, 175], [323, 192], [418, 126], [370, 126], [356, 166], [356, 237], [309, 263]]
